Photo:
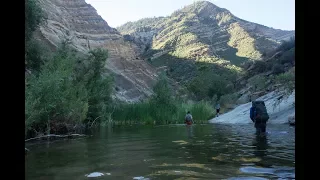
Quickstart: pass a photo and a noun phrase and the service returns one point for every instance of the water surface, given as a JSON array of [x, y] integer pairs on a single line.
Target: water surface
[[211, 151]]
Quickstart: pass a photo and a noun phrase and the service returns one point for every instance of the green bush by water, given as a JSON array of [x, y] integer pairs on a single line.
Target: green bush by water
[[68, 89], [162, 108], [149, 113]]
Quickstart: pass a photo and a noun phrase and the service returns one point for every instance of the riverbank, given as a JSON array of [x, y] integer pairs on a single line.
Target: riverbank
[[279, 107]]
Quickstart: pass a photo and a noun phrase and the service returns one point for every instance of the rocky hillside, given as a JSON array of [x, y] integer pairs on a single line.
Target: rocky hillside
[[202, 40], [194, 45], [204, 29], [79, 23]]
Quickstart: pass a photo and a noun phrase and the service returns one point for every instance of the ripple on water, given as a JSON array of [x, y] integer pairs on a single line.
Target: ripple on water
[[218, 152], [247, 178], [281, 172], [181, 142]]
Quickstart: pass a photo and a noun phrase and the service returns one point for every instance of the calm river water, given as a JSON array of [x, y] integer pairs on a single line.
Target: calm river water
[[211, 151]]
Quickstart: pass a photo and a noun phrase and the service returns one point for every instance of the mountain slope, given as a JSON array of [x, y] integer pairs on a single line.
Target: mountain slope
[[79, 23], [203, 29], [200, 40]]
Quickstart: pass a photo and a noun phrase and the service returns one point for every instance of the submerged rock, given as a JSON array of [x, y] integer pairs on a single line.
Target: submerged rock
[[95, 174], [141, 178]]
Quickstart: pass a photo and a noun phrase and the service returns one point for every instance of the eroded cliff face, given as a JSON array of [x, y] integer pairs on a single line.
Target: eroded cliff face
[[79, 23]]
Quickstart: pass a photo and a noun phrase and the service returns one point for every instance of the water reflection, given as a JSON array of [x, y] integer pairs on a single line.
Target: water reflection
[[260, 145], [190, 131]]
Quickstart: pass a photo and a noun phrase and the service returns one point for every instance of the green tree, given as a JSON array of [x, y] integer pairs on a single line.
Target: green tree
[[258, 82], [98, 86], [162, 102], [34, 16], [53, 95], [208, 84], [69, 89], [287, 45]]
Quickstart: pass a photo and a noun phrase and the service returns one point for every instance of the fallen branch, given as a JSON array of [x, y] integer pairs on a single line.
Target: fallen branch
[[94, 121], [110, 115], [54, 135]]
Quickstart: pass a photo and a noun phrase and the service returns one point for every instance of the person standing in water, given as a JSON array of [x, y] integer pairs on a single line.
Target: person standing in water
[[217, 109], [188, 119], [259, 116]]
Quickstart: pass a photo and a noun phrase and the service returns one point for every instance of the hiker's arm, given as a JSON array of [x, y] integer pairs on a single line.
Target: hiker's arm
[[252, 119], [251, 114]]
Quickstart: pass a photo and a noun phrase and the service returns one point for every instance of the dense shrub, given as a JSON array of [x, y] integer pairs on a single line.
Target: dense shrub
[[287, 45], [61, 92], [258, 82], [287, 79], [278, 68], [288, 56]]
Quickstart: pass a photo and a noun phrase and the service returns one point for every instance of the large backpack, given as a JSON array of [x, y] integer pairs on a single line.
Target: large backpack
[[188, 117], [258, 111]]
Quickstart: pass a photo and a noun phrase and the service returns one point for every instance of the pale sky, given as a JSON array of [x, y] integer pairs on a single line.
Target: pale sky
[[278, 14]]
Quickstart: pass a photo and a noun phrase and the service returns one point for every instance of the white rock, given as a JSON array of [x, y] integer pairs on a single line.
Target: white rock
[[95, 174], [139, 177], [278, 115]]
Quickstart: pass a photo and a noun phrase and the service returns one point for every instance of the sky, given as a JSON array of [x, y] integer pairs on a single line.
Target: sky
[[278, 14]]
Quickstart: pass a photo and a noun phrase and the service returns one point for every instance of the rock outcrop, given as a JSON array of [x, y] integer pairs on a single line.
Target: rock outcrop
[[79, 23], [278, 112]]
